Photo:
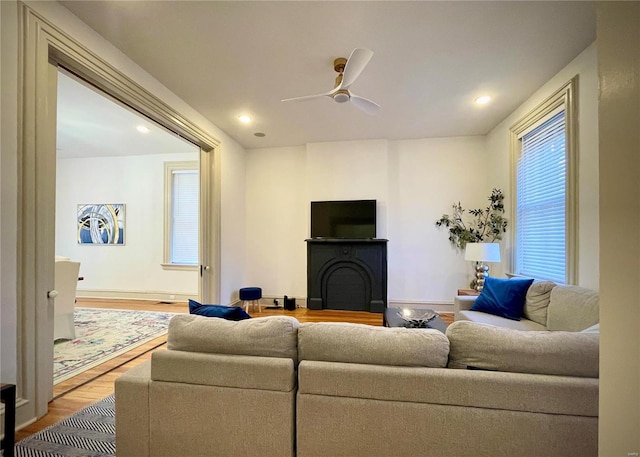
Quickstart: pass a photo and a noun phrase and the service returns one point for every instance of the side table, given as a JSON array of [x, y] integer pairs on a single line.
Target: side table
[[470, 292], [8, 397]]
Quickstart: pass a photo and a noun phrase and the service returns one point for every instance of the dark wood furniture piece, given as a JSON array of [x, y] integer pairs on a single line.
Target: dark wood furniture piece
[[470, 292], [8, 397], [347, 274], [393, 319]]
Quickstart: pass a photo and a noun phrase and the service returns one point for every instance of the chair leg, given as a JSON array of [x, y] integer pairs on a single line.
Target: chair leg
[[251, 306]]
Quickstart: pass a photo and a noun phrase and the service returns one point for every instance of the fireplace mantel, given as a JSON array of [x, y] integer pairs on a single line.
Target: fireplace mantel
[[347, 274]]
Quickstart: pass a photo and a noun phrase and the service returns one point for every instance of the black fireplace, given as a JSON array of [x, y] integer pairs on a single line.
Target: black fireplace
[[347, 274]]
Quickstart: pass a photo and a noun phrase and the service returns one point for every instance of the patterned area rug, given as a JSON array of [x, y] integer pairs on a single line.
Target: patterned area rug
[[102, 334], [91, 432]]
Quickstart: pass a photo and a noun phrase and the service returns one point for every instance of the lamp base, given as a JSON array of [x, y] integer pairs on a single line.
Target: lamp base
[[482, 271]]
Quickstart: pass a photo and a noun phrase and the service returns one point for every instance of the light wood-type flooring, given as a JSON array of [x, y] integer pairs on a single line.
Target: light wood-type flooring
[[98, 382]]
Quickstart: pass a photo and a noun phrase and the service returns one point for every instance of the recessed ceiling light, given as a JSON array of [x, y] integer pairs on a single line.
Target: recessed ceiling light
[[142, 129], [244, 119], [483, 100]]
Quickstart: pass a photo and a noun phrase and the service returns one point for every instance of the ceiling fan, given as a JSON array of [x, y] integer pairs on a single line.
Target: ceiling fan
[[348, 71]]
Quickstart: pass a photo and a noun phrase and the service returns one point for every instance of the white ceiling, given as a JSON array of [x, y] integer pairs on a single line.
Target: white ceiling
[[91, 124], [431, 60]]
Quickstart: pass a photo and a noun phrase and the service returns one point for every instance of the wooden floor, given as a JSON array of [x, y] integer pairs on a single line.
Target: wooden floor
[[98, 382]]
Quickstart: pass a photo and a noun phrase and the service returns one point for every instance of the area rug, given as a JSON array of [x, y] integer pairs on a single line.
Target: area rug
[[102, 334], [91, 432]]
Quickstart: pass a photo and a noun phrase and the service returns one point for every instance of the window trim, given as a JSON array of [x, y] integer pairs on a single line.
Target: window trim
[[565, 97], [169, 168]]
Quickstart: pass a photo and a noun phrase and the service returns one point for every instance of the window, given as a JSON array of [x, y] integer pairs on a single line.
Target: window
[[182, 189], [543, 151]]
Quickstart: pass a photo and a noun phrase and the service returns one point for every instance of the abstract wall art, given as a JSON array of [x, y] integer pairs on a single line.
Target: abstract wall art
[[101, 224]]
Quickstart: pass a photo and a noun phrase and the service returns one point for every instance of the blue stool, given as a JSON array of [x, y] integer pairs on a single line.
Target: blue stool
[[250, 297]]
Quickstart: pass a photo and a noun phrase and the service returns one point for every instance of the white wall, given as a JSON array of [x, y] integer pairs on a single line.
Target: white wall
[[232, 213], [414, 183], [276, 224], [585, 66], [133, 269], [426, 177]]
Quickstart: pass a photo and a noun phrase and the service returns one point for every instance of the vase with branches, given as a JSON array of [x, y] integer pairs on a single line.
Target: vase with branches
[[485, 226]]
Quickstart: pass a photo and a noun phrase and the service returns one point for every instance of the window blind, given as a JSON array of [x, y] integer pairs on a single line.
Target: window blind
[[184, 217], [541, 231]]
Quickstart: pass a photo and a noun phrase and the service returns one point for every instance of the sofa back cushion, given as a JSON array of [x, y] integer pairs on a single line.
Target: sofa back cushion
[[537, 301], [572, 308], [273, 336], [358, 343], [486, 347]]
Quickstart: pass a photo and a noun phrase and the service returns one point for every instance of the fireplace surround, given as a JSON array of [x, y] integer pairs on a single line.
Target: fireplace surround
[[347, 274]]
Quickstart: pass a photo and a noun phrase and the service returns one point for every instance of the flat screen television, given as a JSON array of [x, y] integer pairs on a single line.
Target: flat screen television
[[343, 219]]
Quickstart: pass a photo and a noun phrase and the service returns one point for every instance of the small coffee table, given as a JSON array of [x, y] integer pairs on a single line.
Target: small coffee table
[[392, 319]]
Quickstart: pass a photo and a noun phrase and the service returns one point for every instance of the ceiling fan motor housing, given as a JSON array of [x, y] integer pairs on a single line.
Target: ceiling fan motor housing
[[341, 96]]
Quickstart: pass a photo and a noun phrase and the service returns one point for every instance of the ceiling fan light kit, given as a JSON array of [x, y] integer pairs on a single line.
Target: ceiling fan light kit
[[348, 71]]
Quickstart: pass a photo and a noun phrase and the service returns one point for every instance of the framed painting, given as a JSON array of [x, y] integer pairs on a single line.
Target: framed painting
[[101, 224]]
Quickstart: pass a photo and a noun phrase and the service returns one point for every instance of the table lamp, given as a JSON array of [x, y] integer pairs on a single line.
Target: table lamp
[[480, 253]]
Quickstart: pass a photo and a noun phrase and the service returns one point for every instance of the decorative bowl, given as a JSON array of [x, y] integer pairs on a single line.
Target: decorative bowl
[[416, 318]]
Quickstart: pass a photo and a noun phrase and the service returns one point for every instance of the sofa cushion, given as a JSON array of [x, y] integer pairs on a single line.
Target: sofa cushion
[[232, 313], [485, 318], [273, 336], [359, 343], [537, 301], [503, 297], [486, 347], [572, 308]]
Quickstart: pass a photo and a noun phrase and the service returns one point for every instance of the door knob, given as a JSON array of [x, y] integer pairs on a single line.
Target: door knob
[[52, 294]]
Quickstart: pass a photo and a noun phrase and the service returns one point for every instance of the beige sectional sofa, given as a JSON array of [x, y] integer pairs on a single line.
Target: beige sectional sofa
[[547, 307], [273, 387]]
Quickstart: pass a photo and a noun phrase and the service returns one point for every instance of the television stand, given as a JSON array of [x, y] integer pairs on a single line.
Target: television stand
[[347, 274]]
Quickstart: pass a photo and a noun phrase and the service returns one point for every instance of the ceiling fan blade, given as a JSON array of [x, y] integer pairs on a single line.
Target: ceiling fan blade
[[309, 97], [356, 62], [365, 104]]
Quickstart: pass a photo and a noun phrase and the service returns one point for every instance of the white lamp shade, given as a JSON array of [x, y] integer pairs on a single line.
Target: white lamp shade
[[482, 252]]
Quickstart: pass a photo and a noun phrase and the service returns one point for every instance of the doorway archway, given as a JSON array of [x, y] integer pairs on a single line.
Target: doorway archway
[[43, 49]]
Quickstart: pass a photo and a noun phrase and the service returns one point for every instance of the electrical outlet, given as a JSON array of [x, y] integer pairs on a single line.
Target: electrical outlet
[[172, 297]]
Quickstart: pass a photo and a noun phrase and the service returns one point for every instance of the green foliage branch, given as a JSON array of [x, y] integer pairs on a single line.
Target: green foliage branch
[[486, 226]]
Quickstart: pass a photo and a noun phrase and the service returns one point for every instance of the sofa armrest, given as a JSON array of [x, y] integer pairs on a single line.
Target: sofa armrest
[[132, 411], [463, 302]]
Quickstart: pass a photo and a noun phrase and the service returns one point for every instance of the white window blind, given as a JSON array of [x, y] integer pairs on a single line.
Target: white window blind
[[184, 217], [541, 232]]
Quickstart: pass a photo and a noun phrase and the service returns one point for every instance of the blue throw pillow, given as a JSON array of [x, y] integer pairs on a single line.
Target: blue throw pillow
[[503, 297], [231, 313]]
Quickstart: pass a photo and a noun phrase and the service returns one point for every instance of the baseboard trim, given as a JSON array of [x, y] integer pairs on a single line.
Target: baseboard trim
[[440, 306], [136, 295], [266, 300]]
